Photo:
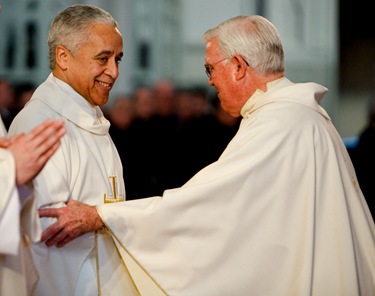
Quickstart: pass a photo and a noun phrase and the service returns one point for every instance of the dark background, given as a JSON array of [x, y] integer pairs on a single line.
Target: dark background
[[357, 46]]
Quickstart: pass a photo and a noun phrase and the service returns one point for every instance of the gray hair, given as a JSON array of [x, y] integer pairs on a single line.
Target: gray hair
[[254, 38], [70, 26]]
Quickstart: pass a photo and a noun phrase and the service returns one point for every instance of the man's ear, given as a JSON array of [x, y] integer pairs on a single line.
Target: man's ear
[[241, 66], [62, 55]]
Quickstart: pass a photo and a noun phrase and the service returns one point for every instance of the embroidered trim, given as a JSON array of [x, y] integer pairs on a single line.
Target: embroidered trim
[[97, 263]]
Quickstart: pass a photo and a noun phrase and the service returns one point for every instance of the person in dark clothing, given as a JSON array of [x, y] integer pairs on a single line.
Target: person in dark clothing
[[363, 157]]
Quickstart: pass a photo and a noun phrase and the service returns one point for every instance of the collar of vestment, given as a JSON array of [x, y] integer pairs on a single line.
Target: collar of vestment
[[62, 98], [282, 89]]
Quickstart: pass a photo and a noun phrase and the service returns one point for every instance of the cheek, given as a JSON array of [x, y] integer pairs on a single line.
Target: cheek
[[224, 87], [227, 95]]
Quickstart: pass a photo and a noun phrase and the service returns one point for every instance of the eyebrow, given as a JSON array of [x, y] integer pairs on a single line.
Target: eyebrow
[[121, 54]]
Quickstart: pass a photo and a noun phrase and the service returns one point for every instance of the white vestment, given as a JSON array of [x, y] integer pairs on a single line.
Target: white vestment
[[86, 168], [19, 224], [280, 212]]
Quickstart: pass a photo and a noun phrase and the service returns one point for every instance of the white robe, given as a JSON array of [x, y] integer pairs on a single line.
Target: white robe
[[19, 224], [280, 213], [85, 168]]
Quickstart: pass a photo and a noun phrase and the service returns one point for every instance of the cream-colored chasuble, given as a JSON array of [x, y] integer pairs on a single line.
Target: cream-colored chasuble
[[280, 213], [87, 168]]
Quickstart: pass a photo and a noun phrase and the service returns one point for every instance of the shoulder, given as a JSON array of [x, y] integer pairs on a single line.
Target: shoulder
[[34, 113]]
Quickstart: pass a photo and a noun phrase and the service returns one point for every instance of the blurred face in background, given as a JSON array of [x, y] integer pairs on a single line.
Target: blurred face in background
[[144, 103], [6, 94], [122, 112]]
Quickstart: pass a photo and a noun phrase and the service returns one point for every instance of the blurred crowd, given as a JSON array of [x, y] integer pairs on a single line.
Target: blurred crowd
[[363, 156], [12, 99], [164, 134]]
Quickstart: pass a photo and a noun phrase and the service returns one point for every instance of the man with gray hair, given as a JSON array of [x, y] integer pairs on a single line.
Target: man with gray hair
[[85, 47], [279, 213]]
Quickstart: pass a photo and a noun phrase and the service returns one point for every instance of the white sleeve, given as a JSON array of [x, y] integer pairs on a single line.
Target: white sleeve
[[9, 205]]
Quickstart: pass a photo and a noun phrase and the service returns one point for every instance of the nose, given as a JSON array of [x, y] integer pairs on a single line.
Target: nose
[[112, 69], [210, 82]]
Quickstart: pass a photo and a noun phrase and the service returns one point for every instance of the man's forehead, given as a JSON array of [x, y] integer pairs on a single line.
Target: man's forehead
[[212, 48], [209, 44], [212, 43]]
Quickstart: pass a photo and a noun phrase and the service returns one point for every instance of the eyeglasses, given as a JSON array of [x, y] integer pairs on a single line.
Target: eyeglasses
[[208, 68]]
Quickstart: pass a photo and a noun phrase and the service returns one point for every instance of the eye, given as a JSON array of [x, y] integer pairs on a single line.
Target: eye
[[103, 59], [118, 60]]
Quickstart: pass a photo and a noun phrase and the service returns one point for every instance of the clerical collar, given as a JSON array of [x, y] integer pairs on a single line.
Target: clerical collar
[[257, 95]]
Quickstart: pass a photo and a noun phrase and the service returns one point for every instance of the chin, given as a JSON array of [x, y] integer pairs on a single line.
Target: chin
[[101, 101]]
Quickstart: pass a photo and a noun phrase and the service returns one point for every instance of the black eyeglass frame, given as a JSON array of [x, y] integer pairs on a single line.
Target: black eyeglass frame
[[209, 67]]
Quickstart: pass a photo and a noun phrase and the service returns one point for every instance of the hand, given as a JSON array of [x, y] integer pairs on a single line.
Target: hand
[[31, 151], [4, 142], [73, 221]]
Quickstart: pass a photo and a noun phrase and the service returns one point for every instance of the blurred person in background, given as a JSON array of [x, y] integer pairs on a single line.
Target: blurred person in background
[[7, 102], [144, 104], [165, 124], [187, 139], [141, 175], [363, 156], [121, 115], [23, 93], [224, 127]]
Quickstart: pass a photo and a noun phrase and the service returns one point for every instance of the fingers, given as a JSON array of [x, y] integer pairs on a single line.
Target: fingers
[[49, 212], [4, 142], [44, 128], [48, 147], [53, 229], [56, 235], [32, 150], [58, 239], [55, 232], [47, 134], [36, 130], [63, 242], [69, 225], [16, 138], [52, 235], [48, 153], [74, 220]]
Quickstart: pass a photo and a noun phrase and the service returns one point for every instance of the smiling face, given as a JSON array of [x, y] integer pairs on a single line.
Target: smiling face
[[94, 68]]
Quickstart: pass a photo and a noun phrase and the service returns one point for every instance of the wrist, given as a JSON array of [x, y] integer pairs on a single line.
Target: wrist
[[100, 225]]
